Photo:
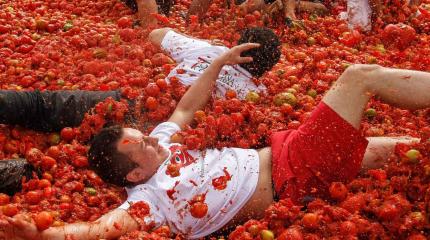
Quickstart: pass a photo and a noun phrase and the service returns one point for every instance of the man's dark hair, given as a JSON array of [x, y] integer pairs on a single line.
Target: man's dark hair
[[265, 56], [104, 158]]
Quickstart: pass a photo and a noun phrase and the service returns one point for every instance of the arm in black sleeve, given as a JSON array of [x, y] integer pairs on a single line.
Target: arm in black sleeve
[[49, 110], [11, 173]]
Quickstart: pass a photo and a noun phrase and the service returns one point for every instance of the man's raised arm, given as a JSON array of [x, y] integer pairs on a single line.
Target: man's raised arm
[[110, 226], [199, 93]]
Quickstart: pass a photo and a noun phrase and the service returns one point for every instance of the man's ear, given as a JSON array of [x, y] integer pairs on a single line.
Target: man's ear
[[136, 175]]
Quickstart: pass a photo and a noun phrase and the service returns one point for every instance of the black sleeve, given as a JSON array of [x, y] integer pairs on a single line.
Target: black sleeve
[[49, 110], [11, 174]]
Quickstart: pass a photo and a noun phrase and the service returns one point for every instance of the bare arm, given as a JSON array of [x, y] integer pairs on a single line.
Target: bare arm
[[144, 10], [380, 149], [109, 226], [199, 93]]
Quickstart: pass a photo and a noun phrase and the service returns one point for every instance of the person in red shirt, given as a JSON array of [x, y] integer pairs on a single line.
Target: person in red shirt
[[301, 164]]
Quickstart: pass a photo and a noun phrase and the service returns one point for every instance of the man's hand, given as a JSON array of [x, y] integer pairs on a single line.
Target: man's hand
[[19, 227], [232, 56]]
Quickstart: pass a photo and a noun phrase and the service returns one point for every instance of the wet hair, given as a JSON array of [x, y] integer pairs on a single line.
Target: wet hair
[[265, 56], [105, 159]]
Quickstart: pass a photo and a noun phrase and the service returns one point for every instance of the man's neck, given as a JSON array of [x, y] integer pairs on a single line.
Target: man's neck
[[163, 155]]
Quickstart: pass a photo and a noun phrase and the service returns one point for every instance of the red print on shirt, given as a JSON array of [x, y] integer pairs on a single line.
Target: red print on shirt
[[180, 158], [220, 183]]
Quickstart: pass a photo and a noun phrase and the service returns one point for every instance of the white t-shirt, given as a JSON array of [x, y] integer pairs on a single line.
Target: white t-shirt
[[196, 175], [358, 14], [194, 56]]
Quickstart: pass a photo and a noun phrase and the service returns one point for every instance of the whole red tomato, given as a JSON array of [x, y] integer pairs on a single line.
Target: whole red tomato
[[151, 103], [10, 210], [47, 162], [152, 90], [400, 35], [80, 161], [43, 220], [67, 134], [34, 155], [125, 22], [338, 191], [33, 197], [4, 199], [199, 209]]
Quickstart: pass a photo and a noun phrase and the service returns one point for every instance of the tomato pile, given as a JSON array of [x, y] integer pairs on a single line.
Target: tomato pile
[[94, 45]]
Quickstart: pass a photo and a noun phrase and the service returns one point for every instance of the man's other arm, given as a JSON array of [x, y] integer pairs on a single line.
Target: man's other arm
[[110, 226], [199, 93]]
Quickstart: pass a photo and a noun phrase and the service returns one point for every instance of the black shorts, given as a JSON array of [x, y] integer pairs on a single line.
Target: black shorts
[[163, 5]]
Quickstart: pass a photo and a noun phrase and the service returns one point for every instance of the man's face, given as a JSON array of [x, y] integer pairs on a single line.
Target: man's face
[[141, 149]]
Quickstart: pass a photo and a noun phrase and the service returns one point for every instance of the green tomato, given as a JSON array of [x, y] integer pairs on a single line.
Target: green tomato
[[313, 17], [370, 113], [413, 155], [67, 26], [116, 39], [312, 92], [346, 65], [99, 53], [380, 48], [254, 229], [252, 97], [267, 235], [91, 191], [371, 60], [60, 82], [285, 97], [54, 138], [109, 108], [311, 41], [292, 90]]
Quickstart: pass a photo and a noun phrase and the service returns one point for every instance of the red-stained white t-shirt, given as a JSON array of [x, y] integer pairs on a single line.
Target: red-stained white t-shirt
[[170, 198], [194, 56]]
